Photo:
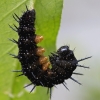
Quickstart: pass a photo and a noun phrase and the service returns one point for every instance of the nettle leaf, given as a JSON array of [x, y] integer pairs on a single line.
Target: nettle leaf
[[48, 17]]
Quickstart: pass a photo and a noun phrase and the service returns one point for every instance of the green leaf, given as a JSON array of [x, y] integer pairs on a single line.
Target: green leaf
[[48, 16], [48, 21]]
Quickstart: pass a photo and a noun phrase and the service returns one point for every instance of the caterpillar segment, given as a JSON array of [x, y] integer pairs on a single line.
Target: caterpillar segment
[[40, 51], [38, 38]]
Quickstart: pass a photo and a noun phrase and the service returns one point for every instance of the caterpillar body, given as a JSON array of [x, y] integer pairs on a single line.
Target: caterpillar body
[[34, 65]]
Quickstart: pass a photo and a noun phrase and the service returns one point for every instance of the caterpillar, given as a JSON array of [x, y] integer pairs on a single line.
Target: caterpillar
[[34, 65]]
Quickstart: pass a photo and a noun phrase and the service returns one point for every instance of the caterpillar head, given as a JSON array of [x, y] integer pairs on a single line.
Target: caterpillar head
[[62, 51]]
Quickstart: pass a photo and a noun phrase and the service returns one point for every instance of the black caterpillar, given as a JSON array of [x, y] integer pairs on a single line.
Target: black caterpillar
[[34, 65]]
